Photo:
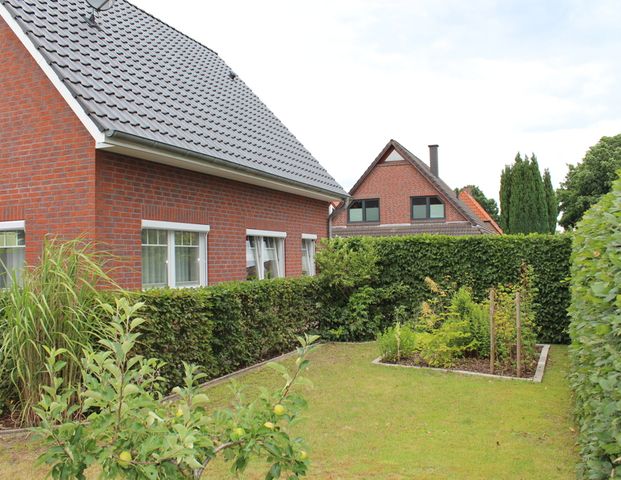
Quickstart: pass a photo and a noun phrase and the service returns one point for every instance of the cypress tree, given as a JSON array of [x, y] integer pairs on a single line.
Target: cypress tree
[[505, 196], [551, 201], [539, 219], [520, 200], [524, 205]]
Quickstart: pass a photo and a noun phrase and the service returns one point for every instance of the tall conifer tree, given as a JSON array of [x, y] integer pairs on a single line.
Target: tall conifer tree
[[523, 202], [505, 196], [551, 201], [539, 221]]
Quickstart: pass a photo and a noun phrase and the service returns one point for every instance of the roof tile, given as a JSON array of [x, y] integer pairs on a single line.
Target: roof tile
[[138, 75]]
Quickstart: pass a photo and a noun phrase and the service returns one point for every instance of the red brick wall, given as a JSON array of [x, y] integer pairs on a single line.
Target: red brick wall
[[47, 160], [394, 183], [130, 190], [51, 180]]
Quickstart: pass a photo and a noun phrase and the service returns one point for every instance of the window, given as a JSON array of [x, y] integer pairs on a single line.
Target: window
[[173, 254], [364, 211], [424, 208], [12, 252], [308, 254], [265, 254]]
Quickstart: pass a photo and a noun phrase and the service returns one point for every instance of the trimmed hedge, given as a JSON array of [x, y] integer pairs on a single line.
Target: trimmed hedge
[[226, 327], [478, 261], [596, 336]]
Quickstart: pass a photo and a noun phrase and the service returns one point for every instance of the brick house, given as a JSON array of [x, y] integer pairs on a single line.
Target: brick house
[[400, 195], [125, 131]]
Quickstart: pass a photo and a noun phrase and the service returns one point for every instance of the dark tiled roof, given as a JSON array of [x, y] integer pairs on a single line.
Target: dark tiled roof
[[438, 228], [139, 76]]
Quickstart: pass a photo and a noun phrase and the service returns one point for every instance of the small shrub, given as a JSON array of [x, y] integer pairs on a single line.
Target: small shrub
[[445, 344], [397, 343], [130, 433]]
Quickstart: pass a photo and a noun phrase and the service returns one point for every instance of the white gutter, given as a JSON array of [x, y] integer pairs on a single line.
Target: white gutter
[[179, 160]]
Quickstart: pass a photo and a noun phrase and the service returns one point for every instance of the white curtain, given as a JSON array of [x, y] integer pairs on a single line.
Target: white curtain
[[12, 261], [253, 262], [187, 259], [264, 258], [12, 257], [308, 257], [154, 258]]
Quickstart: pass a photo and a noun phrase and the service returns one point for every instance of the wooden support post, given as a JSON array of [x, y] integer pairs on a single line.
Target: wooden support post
[[518, 327], [492, 330]]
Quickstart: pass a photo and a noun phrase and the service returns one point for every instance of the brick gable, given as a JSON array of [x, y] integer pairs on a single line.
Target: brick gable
[[394, 183], [47, 157]]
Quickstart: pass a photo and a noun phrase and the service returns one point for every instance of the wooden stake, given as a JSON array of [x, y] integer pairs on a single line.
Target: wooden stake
[[492, 330], [518, 326]]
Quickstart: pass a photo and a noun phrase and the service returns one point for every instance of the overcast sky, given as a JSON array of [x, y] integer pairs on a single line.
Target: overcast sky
[[483, 79]]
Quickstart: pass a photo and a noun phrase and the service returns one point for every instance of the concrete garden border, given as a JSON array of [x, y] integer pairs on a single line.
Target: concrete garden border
[[537, 378]]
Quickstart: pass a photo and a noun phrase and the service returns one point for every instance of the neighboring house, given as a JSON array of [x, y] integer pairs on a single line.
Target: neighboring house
[[400, 195], [465, 195], [134, 136]]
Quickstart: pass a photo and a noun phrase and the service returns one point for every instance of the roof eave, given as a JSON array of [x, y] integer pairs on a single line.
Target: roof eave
[[151, 150]]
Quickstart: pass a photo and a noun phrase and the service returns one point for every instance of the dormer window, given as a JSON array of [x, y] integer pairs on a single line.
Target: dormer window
[[427, 208], [363, 211]]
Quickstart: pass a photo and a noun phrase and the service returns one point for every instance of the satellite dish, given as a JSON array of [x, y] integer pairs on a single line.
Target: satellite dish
[[98, 6], [101, 5]]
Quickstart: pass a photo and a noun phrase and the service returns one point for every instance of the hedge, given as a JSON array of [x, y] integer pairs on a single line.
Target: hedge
[[479, 261], [226, 327], [596, 336], [230, 326]]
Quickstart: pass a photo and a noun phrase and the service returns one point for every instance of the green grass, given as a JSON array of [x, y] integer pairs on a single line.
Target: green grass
[[371, 422], [367, 421]]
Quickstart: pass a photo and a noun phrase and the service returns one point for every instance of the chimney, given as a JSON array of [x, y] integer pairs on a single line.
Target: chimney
[[433, 159]]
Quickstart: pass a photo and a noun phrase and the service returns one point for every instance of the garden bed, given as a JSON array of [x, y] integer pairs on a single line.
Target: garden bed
[[480, 366]]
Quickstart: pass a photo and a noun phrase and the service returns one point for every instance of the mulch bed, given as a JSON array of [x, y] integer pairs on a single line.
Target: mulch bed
[[7, 422], [479, 365]]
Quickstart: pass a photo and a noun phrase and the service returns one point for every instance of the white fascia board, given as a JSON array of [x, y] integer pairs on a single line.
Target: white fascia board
[[14, 225], [97, 135], [180, 161], [309, 236], [180, 227], [265, 233]]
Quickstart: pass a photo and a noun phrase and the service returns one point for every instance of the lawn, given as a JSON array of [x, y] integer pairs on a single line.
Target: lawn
[[371, 422]]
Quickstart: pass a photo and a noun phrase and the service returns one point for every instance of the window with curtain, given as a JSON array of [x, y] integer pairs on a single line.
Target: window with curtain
[[264, 257], [308, 257], [12, 256], [174, 259], [425, 208]]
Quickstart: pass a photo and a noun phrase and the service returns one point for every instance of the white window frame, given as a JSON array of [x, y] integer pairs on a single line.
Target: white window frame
[[280, 237], [171, 228], [312, 238], [14, 225]]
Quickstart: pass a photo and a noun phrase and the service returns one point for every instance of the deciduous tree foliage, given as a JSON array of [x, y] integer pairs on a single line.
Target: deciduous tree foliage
[[586, 182], [596, 336]]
